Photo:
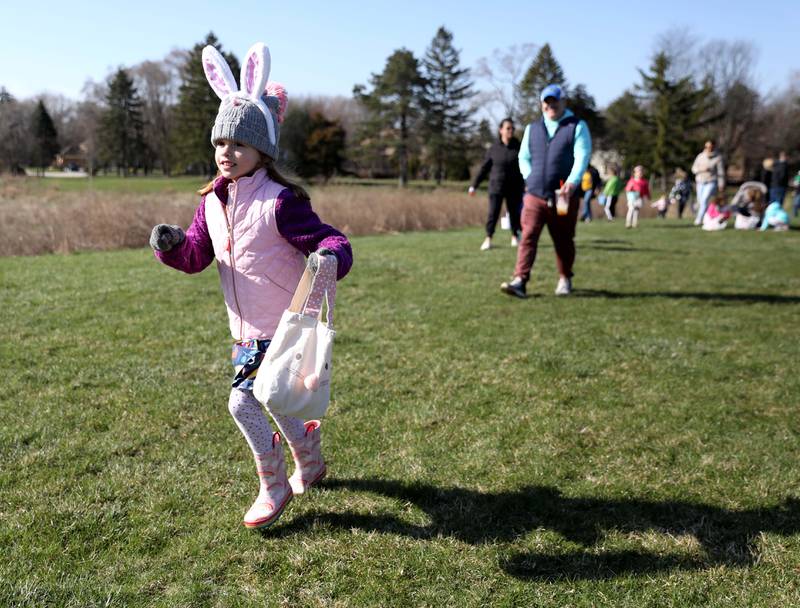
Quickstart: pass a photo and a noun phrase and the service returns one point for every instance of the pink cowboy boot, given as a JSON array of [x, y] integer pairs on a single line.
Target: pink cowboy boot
[[275, 492], [307, 454]]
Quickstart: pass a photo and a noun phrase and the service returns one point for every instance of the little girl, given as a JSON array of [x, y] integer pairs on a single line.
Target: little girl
[[259, 227], [661, 205], [681, 192], [638, 192], [775, 216], [717, 215]]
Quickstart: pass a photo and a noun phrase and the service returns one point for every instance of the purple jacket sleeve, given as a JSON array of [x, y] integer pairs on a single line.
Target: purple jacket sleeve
[[196, 252], [299, 225]]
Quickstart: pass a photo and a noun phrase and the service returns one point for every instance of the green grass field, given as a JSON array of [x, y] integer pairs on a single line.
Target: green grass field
[[112, 183], [140, 184], [637, 444]]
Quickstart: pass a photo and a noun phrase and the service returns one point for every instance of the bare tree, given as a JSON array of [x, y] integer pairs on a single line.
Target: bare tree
[[727, 67], [345, 110], [721, 63], [62, 111], [679, 44], [15, 133], [158, 82], [87, 120], [779, 122], [502, 72], [727, 63]]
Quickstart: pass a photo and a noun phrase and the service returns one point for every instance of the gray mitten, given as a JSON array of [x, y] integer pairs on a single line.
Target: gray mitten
[[313, 259], [166, 236]]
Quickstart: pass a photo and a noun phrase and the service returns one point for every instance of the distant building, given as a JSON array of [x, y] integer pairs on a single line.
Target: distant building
[[73, 158]]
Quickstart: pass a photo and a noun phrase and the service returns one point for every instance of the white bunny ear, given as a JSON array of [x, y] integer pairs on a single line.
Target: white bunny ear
[[255, 70], [218, 73]]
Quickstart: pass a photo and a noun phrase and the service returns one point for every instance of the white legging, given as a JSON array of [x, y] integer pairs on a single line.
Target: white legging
[[634, 204], [249, 416]]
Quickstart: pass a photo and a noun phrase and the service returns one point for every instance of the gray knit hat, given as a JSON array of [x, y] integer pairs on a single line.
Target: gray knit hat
[[253, 115], [243, 121]]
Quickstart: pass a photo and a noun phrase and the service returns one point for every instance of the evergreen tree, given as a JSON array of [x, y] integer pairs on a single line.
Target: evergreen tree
[[446, 90], [324, 146], [295, 129], [484, 134], [196, 110], [311, 143], [458, 159], [394, 104], [481, 139], [583, 105], [121, 126], [629, 130], [677, 110], [544, 70], [45, 145], [5, 96]]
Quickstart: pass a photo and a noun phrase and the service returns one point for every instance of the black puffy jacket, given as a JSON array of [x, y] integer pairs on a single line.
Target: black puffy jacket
[[502, 167]]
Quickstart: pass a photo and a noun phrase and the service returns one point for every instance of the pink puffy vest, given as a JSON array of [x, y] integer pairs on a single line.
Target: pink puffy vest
[[259, 270]]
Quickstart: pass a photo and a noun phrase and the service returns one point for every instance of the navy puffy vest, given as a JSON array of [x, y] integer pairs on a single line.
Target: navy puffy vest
[[551, 159]]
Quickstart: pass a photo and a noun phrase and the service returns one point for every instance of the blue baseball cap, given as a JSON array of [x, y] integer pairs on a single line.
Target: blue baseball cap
[[551, 90]]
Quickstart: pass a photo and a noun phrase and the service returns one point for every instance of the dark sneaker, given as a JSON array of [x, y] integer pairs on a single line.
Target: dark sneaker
[[515, 287]]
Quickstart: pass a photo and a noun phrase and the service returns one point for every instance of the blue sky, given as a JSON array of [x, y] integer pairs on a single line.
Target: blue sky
[[327, 47]]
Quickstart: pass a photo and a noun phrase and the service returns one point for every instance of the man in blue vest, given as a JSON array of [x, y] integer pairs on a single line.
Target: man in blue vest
[[553, 156]]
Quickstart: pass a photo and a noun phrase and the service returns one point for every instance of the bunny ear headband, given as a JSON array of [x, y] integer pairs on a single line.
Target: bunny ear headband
[[254, 75]]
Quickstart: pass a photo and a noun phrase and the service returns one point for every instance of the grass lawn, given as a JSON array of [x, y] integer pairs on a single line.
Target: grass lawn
[[112, 183], [637, 444], [140, 184]]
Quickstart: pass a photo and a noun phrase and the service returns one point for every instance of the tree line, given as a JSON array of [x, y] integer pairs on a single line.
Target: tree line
[[420, 117]]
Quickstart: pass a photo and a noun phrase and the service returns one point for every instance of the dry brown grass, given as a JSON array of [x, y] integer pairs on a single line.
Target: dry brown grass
[[374, 210], [93, 221], [48, 221]]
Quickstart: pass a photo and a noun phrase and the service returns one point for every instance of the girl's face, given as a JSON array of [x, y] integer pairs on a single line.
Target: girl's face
[[235, 159], [638, 173]]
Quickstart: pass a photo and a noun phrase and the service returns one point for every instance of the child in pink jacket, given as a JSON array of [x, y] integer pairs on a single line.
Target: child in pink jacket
[[259, 227], [637, 191]]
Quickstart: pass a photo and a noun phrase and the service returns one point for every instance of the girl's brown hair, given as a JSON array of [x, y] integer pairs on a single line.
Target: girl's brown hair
[[273, 173]]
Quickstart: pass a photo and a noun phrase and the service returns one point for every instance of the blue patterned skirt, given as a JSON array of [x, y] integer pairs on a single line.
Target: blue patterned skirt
[[246, 357]]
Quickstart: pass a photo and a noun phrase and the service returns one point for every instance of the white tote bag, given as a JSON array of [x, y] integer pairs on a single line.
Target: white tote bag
[[294, 379]]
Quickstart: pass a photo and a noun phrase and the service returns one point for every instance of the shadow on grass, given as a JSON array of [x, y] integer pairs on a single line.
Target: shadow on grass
[[725, 537], [691, 295], [604, 247], [689, 225], [608, 242], [612, 245]]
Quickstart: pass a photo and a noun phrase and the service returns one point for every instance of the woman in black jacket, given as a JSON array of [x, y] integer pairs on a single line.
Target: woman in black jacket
[[505, 182]]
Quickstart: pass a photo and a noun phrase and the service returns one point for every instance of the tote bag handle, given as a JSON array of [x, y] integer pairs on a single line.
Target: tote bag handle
[[316, 286]]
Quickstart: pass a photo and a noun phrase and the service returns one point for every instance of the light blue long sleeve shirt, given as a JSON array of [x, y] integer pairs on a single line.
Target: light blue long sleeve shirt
[[582, 148]]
